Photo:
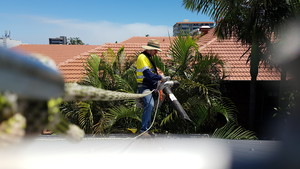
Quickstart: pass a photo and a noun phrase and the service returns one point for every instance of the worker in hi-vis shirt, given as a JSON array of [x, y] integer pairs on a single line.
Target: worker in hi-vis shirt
[[147, 78]]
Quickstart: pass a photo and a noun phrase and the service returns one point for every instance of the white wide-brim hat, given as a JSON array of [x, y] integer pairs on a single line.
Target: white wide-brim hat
[[153, 44]]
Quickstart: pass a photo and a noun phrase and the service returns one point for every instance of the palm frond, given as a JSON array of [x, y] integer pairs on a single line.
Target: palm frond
[[169, 118], [207, 67], [182, 49], [159, 64], [213, 8], [121, 59], [78, 113], [198, 88], [85, 117], [122, 84], [110, 57], [233, 131], [198, 110], [130, 77], [106, 74], [92, 71], [68, 109], [226, 108], [113, 115]]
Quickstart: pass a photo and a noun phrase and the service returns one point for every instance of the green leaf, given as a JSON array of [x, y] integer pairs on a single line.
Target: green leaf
[[92, 71], [233, 131], [113, 115]]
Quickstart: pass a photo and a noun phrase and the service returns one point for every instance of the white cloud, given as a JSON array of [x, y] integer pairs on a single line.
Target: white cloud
[[96, 32]]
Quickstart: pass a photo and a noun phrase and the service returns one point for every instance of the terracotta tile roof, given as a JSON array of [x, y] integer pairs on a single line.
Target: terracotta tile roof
[[230, 52], [59, 53], [207, 39], [73, 70], [70, 58]]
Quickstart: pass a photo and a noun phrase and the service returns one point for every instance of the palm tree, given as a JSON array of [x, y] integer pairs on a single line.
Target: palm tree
[[253, 22], [114, 72], [199, 93]]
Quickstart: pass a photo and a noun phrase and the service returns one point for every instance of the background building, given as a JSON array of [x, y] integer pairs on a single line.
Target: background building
[[62, 40], [189, 27], [7, 42]]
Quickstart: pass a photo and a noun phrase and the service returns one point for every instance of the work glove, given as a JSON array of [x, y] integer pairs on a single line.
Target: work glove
[[165, 78]]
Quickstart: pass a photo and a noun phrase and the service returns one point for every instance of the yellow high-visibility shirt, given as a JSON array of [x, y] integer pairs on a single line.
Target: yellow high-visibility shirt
[[142, 64]]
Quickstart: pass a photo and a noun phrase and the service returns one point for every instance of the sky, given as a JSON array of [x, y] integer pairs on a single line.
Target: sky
[[95, 22]]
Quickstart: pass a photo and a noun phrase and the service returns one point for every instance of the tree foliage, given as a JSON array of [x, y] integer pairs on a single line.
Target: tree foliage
[[199, 76], [199, 92], [111, 71], [75, 41], [255, 23]]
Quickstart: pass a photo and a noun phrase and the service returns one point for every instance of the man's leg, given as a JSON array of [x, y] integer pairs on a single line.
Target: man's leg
[[148, 109]]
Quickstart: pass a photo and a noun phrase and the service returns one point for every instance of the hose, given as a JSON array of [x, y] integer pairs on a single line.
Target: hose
[[154, 117]]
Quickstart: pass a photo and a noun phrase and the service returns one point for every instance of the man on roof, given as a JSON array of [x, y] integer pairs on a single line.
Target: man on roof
[[147, 78]]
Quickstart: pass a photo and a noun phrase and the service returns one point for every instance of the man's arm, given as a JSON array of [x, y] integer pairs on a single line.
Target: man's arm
[[149, 75]]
